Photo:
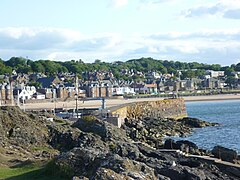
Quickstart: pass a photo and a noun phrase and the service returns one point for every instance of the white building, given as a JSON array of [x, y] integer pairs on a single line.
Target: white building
[[38, 95], [215, 74], [24, 93], [122, 90]]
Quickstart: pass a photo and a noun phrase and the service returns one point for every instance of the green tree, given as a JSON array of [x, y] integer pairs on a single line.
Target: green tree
[[188, 74], [37, 67], [231, 81], [229, 71], [199, 72], [4, 69]]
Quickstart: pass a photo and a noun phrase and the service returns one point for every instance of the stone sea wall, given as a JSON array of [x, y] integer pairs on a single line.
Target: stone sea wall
[[167, 108]]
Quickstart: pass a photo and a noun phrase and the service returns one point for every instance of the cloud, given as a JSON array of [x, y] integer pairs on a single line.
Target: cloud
[[119, 3], [36, 38], [207, 45], [150, 4], [53, 42], [204, 10], [232, 14], [204, 34], [157, 1], [222, 8]]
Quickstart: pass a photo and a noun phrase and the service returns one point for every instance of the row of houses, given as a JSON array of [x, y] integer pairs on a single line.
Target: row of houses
[[101, 84], [52, 89]]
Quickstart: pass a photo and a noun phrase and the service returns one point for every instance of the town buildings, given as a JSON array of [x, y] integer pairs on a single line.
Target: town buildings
[[102, 84]]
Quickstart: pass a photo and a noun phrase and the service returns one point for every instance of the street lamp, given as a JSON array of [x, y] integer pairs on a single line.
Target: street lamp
[[76, 98]]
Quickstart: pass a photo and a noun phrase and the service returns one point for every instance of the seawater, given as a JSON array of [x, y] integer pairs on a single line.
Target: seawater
[[227, 113]]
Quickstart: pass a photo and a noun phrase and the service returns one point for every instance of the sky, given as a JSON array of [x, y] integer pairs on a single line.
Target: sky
[[206, 31]]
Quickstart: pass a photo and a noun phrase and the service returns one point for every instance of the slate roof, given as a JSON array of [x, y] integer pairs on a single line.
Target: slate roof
[[46, 82]]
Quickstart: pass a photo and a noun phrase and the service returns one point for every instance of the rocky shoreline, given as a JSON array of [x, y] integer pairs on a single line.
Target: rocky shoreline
[[94, 149], [112, 153], [153, 130]]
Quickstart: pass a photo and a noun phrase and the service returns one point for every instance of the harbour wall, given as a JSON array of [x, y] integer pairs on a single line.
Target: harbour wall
[[167, 108]]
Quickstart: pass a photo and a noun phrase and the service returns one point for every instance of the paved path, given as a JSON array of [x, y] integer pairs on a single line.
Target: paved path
[[85, 104], [208, 158], [116, 102]]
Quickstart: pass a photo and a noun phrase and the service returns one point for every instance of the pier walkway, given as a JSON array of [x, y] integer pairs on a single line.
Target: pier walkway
[[207, 158]]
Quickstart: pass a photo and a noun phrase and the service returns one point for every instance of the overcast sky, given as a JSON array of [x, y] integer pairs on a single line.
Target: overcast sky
[[205, 31]]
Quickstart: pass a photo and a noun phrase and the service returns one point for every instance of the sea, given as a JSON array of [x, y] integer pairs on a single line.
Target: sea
[[226, 113]]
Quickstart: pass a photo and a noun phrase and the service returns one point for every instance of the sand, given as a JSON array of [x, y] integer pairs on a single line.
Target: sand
[[115, 102]]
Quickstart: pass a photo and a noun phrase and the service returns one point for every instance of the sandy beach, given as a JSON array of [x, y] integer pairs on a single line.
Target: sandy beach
[[115, 102]]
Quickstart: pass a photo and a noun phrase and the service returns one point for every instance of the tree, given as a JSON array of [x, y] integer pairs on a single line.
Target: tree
[[230, 81], [199, 72], [237, 67], [162, 69], [188, 74], [24, 69], [4, 69], [229, 71], [38, 67], [16, 62]]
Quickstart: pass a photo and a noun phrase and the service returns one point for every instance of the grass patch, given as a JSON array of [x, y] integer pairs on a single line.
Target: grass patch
[[89, 119], [37, 171], [60, 122], [43, 148]]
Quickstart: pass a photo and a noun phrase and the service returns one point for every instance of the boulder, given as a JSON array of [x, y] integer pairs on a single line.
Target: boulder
[[224, 154], [185, 146], [105, 130], [170, 144], [196, 123], [182, 173]]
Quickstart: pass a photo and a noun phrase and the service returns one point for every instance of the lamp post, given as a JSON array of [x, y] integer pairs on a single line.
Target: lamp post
[[76, 97]]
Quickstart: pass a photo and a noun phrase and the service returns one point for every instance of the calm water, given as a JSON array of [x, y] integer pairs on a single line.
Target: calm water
[[227, 113]]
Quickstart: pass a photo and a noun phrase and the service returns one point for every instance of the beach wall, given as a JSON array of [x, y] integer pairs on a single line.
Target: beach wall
[[168, 108]]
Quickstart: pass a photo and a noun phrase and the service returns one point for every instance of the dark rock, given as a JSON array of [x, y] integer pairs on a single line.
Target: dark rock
[[170, 144], [161, 177], [185, 146], [126, 149], [81, 161], [105, 130], [224, 153], [196, 123], [188, 143], [63, 137], [149, 152], [103, 173], [182, 173], [190, 163], [194, 174], [22, 129], [174, 173], [234, 171]]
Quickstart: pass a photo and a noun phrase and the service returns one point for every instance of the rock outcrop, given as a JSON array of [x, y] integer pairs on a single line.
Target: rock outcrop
[[94, 149], [224, 153], [111, 154], [21, 129], [153, 130]]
